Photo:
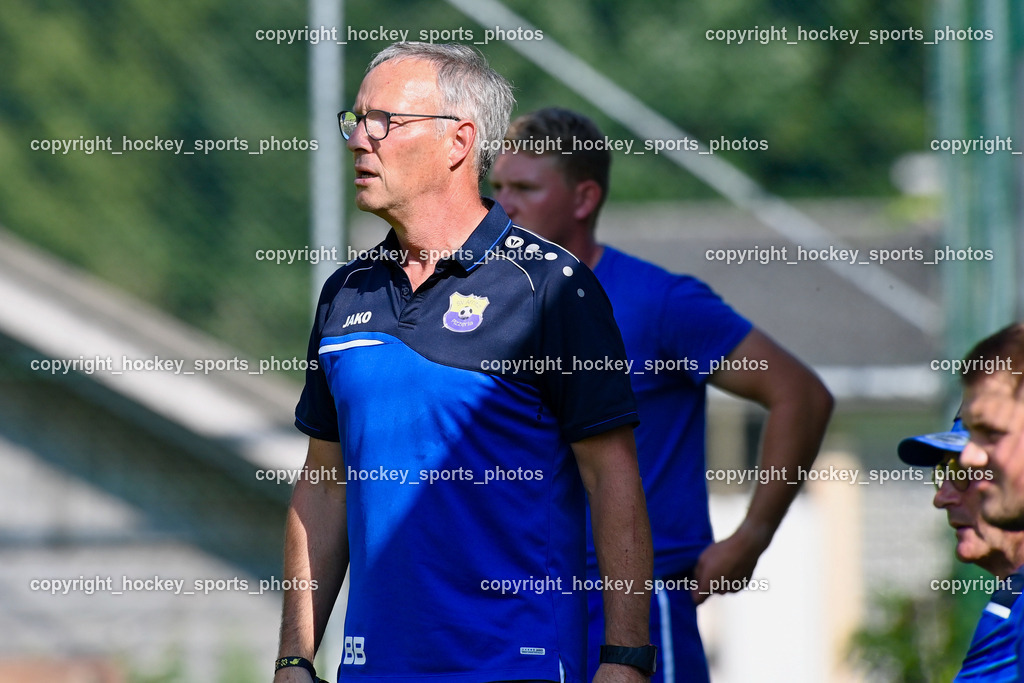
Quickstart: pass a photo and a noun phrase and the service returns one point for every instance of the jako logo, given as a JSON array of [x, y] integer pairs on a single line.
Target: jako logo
[[358, 318]]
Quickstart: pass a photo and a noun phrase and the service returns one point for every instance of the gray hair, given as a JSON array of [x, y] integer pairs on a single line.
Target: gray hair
[[469, 89]]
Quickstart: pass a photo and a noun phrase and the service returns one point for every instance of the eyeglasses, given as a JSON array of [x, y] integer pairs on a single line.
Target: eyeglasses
[[951, 469], [376, 122]]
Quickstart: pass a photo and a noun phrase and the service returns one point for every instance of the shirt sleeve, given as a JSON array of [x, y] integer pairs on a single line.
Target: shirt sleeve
[[316, 414], [695, 323], [591, 393]]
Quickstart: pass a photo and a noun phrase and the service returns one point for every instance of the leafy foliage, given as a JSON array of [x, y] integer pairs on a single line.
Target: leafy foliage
[[918, 639], [182, 231]]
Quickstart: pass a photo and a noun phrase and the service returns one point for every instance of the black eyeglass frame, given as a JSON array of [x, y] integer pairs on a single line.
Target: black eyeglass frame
[[387, 121]]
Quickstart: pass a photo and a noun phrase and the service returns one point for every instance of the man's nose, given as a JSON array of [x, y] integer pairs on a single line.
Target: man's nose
[[358, 139], [973, 456], [946, 495]]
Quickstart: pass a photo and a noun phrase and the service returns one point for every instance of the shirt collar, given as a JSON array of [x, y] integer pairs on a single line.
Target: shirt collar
[[473, 252], [486, 236]]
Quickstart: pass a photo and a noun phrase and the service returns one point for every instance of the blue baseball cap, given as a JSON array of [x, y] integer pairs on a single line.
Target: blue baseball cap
[[928, 450]]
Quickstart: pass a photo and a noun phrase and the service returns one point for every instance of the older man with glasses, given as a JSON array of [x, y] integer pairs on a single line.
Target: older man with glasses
[[443, 382], [994, 653]]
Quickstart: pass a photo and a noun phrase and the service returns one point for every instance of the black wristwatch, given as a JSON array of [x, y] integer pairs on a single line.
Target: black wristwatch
[[302, 663], [642, 658]]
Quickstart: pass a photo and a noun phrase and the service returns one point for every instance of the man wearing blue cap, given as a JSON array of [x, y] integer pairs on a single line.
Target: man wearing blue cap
[[994, 651]]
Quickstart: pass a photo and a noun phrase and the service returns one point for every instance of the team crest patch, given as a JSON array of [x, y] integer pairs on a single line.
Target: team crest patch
[[465, 312]]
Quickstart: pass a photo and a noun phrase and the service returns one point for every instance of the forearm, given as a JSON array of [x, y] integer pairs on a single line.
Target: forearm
[[622, 537], [316, 557], [622, 533], [792, 437]]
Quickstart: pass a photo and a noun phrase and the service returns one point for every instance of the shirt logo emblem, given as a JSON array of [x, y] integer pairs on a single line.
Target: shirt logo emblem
[[465, 312], [358, 318]]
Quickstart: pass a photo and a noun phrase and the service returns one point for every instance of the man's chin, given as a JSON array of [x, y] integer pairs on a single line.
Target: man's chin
[[1007, 514], [369, 205], [966, 557], [363, 201]]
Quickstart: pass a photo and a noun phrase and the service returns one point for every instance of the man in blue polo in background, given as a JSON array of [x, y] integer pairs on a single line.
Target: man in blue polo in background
[[555, 184]]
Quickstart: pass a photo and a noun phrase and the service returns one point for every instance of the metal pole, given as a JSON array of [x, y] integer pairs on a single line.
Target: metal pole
[[326, 71], [996, 170]]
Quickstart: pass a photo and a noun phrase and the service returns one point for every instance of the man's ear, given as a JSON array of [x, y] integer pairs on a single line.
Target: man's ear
[[461, 148], [586, 199]]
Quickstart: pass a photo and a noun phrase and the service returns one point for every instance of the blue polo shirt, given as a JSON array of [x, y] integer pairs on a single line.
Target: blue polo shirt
[[673, 327], [455, 406], [995, 653]]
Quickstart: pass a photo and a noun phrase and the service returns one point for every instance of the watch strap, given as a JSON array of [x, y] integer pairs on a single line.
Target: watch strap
[[642, 658], [302, 662]]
